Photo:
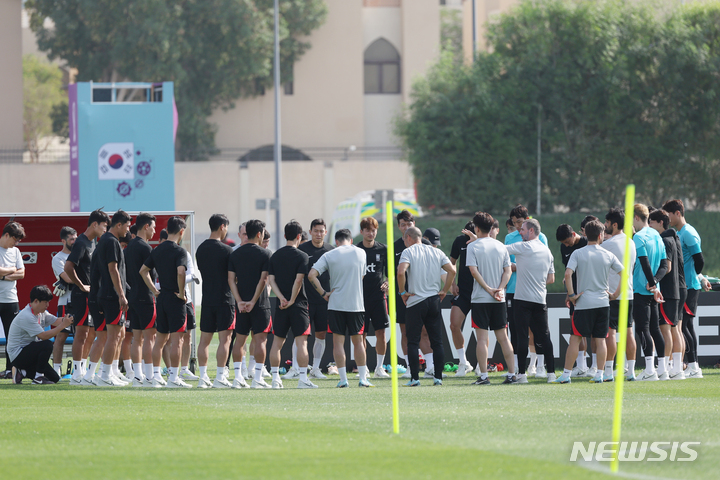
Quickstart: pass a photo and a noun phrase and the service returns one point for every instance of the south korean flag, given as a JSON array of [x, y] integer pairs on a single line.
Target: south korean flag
[[116, 161]]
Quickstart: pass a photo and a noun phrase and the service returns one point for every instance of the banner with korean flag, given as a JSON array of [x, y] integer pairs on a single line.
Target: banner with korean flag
[[116, 161]]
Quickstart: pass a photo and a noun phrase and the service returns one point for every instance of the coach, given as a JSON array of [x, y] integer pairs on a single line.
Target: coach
[[422, 296]]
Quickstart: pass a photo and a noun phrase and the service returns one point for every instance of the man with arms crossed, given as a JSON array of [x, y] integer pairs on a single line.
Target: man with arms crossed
[[422, 263], [489, 265], [535, 270], [169, 260], [346, 266], [286, 274], [247, 277], [68, 235], [218, 305], [591, 316], [11, 270]]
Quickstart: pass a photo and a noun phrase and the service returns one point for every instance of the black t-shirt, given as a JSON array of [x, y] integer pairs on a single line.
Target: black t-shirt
[[565, 253], [375, 271], [285, 265], [80, 256], [137, 251], [249, 261], [314, 253], [399, 246], [458, 251], [109, 250], [671, 232], [165, 259], [212, 261], [670, 283], [94, 279]]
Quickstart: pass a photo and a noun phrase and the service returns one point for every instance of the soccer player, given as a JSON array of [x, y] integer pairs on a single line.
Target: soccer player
[[346, 266], [462, 296], [68, 235], [190, 277], [288, 268], [11, 270], [141, 302], [375, 289], [489, 264], [535, 270], [518, 215], [247, 276], [569, 242], [218, 305], [405, 220], [424, 293], [670, 289], [111, 297], [99, 327], [614, 223], [650, 268], [694, 264], [169, 261], [77, 268], [28, 344], [591, 316], [318, 306]]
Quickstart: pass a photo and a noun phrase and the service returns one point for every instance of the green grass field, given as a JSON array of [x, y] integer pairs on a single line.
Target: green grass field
[[453, 431]]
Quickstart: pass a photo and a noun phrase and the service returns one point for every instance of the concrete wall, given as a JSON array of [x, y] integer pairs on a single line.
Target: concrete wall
[[421, 40], [11, 83]]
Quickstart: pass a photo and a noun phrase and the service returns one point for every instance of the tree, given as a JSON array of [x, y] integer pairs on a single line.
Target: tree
[[215, 51], [451, 32], [42, 92]]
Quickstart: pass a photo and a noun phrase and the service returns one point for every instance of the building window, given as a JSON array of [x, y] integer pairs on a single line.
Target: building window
[[382, 68]]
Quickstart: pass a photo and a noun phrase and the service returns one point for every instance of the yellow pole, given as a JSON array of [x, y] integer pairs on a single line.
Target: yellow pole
[[392, 310], [622, 325]]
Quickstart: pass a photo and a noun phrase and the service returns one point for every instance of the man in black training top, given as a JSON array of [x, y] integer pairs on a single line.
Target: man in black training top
[[462, 295], [169, 261], [288, 268], [218, 305], [247, 277], [318, 307]]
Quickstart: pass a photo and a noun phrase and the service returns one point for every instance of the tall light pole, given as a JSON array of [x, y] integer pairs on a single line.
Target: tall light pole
[[278, 144], [539, 157]]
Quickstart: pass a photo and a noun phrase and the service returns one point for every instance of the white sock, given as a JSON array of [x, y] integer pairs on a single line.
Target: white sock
[[429, 362], [220, 372], [343, 374], [461, 356], [541, 361], [225, 372], [362, 370], [609, 368], [677, 361], [406, 360], [594, 361], [649, 365], [274, 371], [516, 361], [533, 359], [566, 372], [157, 372], [203, 371], [83, 364], [483, 375], [581, 360], [258, 372], [149, 371], [129, 368], [251, 363], [294, 357], [662, 365], [318, 350], [303, 374], [380, 361], [91, 371], [137, 370], [237, 367], [105, 371], [77, 369], [115, 368], [631, 366], [173, 374]]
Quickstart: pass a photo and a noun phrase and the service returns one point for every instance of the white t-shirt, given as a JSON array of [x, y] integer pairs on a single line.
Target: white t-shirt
[[346, 265], [534, 263], [189, 272], [593, 265], [25, 328], [490, 257], [616, 245], [58, 266], [9, 257], [422, 278]]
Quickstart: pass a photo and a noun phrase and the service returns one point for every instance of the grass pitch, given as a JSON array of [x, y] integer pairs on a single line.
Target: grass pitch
[[453, 431]]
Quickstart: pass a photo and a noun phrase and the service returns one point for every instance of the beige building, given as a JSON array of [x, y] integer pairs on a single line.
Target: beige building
[[11, 87]]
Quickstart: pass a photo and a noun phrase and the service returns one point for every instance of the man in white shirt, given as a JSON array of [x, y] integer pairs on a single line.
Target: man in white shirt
[[346, 265], [535, 270], [28, 344], [68, 235], [422, 296], [12, 269]]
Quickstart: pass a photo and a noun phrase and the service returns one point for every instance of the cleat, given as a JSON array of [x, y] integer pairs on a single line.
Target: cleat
[[429, 373], [694, 373], [265, 373], [381, 373], [316, 373], [648, 377], [204, 382], [406, 374], [437, 383], [510, 380], [110, 382], [147, 382], [76, 381], [41, 380], [160, 379], [577, 372], [291, 374], [521, 378], [156, 383], [592, 372], [468, 367], [365, 383], [17, 376], [177, 383], [138, 382], [563, 379], [462, 371], [88, 383], [244, 370], [122, 378], [187, 375], [531, 371], [477, 370], [608, 379], [306, 384], [664, 376], [677, 375], [597, 379], [551, 377], [277, 385], [482, 381], [262, 384], [240, 383], [342, 384], [630, 377], [124, 383], [540, 372], [413, 383], [221, 382]]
